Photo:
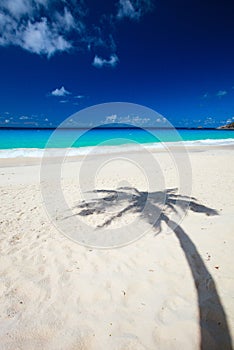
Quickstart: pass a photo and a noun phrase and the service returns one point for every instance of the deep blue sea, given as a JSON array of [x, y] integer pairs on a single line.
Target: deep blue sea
[[76, 138]]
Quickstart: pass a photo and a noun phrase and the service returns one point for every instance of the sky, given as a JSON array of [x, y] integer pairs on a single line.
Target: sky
[[60, 56]]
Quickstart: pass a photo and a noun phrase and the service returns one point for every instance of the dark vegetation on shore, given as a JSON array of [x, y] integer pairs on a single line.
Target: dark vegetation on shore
[[228, 126]]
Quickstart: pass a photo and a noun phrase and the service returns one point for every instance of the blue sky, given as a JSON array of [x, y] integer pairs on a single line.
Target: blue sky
[[58, 57]]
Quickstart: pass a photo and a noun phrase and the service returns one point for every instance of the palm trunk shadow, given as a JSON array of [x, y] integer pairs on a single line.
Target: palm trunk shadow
[[213, 324], [214, 329]]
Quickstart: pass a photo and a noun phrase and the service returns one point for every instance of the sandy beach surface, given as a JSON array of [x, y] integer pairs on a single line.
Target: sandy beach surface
[[167, 290]]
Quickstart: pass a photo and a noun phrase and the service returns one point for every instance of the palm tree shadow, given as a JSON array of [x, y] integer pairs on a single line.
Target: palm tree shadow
[[214, 331]]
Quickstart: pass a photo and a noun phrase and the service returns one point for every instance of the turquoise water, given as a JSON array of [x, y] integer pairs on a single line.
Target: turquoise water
[[10, 139]]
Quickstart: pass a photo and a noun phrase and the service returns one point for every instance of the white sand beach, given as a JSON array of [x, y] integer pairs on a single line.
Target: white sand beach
[[166, 290]]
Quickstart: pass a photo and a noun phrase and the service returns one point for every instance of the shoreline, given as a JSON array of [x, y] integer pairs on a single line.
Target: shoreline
[[13, 153]]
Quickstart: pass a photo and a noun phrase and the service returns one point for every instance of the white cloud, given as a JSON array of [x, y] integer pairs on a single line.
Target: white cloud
[[17, 7], [221, 93], [66, 20], [100, 62], [209, 121], [39, 38], [60, 92], [128, 119], [126, 9], [24, 117], [111, 118], [206, 95], [133, 9], [135, 120], [35, 26], [79, 96], [140, 121], [46, 27]]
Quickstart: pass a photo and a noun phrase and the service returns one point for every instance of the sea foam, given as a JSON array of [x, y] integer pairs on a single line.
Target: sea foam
[[83, 151]]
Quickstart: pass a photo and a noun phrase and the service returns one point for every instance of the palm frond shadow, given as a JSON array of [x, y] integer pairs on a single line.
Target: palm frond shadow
[[133, 201], [214, 331]]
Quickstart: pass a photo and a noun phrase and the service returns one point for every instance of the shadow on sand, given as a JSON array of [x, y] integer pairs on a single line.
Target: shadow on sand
[[214, 331]]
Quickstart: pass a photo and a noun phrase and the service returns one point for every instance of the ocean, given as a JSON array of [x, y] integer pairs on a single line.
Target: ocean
[[20, 142]]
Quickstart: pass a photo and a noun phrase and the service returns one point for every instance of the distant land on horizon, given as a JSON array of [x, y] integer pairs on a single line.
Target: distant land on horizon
[[229, 126]]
